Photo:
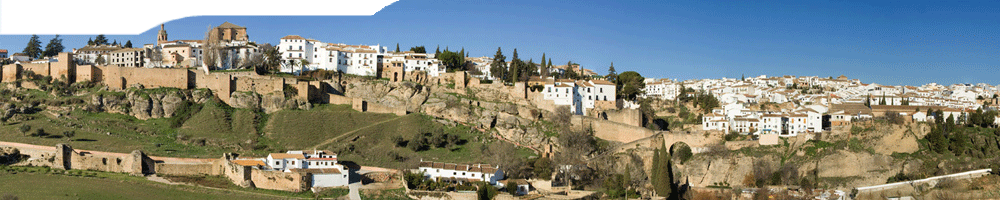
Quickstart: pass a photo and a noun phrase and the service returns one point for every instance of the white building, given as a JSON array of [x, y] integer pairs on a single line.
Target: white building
[[460, 173], [662, 89], [359, 60], [324, 167], [580, 95]]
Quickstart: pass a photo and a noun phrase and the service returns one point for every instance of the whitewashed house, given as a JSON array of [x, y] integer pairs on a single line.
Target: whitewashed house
[[460, 173], [324, 168]]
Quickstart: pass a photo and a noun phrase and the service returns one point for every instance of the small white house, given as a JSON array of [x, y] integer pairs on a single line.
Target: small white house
[[323, 167], [460, 173]]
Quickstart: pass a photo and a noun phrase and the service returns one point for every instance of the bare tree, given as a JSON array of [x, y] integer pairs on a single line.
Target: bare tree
[[155, 57], [212, 50]]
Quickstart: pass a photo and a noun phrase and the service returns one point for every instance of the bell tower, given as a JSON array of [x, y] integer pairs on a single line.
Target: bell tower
[[162, 36]]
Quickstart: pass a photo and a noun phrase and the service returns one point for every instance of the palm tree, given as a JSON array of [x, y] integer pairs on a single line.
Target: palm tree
[[303, 63], [293, 63]]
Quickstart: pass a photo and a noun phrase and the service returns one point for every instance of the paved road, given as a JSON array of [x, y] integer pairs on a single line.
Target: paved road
[[354, 194]]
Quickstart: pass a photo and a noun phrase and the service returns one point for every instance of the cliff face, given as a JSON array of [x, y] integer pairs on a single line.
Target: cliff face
[[268, 103], [147, 104], [514, 122]]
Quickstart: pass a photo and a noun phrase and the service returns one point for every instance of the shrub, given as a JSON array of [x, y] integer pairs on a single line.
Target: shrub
[[683, 153]]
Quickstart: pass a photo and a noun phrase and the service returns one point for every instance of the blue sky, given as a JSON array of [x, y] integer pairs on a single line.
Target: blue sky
[[899, 42]]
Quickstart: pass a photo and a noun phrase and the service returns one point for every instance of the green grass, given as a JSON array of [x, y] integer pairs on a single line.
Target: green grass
[[44, 183], [299, 129], [217, 121]]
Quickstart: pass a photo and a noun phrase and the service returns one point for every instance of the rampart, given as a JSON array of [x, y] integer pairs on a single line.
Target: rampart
[[137, 163]]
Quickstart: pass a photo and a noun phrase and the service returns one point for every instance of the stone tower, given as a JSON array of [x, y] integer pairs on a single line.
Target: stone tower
[[162, 36]]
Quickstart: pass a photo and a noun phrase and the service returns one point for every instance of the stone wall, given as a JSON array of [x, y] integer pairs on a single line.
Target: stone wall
[[614, 131], [262, 85], [11, 73], [85, 73], [187, 169], [277, 180], [124, 77], [625, 116]]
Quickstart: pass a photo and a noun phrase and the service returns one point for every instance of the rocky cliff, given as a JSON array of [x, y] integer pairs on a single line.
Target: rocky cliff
[[514, 122], [147, 104]]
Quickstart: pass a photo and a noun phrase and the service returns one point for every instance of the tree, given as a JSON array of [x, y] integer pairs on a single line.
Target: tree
[[90, 41], [211, 50], [662, 174], [570, 73], [437, 51], [451, 60], [69, 134], [24, 129], [54, 47], [543, 168], [517, 68], [486, 191], [101, 40], [418, 49], [499, 66], [156, 57], [34, 47], [612, 75], [272, 58], [397, 47], [631, 84], [128, 44], [544, 69], [115, 43]]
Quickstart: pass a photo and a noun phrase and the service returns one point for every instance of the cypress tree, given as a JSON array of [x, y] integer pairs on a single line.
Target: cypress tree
[[34, 47], [397, 47]]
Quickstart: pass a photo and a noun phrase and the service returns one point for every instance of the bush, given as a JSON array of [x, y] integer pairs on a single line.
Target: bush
[[732, 136], [683, 153]]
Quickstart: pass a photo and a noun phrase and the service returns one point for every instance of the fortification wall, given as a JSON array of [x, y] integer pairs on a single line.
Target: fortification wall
[[85, 73], [260, 85], [186, 169], [123, 77], [11, 73], [277, 180], [220, 83], [338, 99], [625, 116], [41, 69], [609, 130], [238, 174], [65, 69]]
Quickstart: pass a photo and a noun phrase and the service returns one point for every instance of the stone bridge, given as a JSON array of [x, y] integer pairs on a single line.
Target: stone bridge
[[696, 140]]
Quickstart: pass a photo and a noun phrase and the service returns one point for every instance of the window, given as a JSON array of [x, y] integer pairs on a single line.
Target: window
[[277, 163]]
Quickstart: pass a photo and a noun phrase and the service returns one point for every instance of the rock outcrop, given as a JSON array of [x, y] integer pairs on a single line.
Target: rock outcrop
[[148, 104], [268, 103]]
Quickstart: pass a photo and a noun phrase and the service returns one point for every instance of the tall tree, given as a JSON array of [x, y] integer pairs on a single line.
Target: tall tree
[[156, 57], [128, 44], [543, 70], [462, 54], [212, 50], [513, 68], [612, 75], [437, 51], [548, 66], [101, 40], [54, 47], [570, 73], [34, 47], [631, 84], [90, 41], [397, 47], [499, 66], [114, 43], [418, 49]]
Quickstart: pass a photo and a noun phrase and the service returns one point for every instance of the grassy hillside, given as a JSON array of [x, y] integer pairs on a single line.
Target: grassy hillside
[[301, 129], [221, 124]]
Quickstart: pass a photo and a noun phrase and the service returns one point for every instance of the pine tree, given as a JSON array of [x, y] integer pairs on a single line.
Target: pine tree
[[499, 66], [128, 44], [462, 60], [34, 47], [101, 40], [612, 74], [54, 47], [515, 67], [90, 41]]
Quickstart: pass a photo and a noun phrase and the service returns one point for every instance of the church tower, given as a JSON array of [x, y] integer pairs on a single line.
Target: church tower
[[162, 37]]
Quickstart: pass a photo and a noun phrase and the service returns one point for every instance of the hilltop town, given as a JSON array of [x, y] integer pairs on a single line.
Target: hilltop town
[[303, 118]]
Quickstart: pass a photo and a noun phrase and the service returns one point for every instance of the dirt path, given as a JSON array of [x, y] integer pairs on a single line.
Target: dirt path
[[334, 139]]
